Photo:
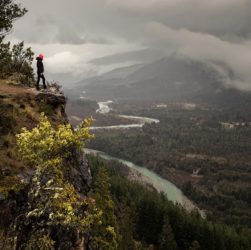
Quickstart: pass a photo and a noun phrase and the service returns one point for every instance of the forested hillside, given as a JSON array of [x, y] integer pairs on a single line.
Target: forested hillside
[[147, 220]]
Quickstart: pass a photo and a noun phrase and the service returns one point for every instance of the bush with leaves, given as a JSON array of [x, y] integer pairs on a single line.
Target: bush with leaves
[[21, 64], [54, 205], [15, 63]]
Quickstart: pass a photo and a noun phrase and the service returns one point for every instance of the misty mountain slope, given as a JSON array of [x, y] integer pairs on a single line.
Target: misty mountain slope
[[143, 55], [114, 77], [172, 69], [175, 79], [120, 73], [169, 79]]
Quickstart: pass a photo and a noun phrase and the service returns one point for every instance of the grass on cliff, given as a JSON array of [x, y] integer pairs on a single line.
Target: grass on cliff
[[18, 109]]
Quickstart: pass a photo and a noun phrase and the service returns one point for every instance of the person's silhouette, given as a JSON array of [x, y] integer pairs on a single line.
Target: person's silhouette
[[40, 70]]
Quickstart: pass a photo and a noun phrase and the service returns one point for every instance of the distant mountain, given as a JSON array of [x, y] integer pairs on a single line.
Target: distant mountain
[[144, 56], [169, 79], [114, 77], [110, 79]]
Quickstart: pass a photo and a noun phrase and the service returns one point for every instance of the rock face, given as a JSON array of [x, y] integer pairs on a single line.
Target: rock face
[[51, 98], [56, 102], [77, 171], [76, 168], [13, 201]]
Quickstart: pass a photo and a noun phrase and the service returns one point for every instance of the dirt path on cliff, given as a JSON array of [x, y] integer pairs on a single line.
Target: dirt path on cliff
[[15, 90]]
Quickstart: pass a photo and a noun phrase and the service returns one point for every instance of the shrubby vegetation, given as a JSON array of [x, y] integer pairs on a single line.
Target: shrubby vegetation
[[53, 202], [15, 61], [53, 214]]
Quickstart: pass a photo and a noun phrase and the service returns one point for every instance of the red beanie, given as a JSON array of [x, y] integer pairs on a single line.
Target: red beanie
[[41, 56]]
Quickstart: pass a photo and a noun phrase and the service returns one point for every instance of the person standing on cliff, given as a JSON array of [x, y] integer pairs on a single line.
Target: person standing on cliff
[[40, 71]]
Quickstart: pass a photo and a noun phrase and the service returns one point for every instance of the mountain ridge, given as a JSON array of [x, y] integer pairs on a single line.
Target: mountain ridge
[[168, 79]]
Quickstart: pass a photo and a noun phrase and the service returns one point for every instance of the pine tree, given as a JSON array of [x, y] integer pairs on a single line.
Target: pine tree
[[9, 11], [167, 240], [105, 235]]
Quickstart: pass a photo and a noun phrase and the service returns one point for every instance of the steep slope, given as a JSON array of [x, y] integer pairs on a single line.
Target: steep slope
[[21, 107]]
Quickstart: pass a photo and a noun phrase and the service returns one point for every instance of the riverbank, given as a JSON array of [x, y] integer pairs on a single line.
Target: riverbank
[[151, 179], [142, 174], [134, 175], [137, 121]]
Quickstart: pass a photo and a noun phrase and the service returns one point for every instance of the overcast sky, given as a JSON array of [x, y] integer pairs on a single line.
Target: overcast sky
[[72, 34]]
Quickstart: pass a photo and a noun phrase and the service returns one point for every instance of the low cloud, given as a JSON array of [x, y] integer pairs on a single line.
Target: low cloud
[[222, 55], [76, 59]]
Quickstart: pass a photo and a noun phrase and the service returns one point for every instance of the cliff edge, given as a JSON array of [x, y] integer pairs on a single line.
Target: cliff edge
[[21, 107]]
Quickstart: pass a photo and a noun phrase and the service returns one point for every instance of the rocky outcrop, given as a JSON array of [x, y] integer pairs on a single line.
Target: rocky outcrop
[[54, 101], [76, 168], [51, 98], [21, 110]]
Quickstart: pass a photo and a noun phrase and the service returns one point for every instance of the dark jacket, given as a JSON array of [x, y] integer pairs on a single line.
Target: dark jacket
[[40, 65]]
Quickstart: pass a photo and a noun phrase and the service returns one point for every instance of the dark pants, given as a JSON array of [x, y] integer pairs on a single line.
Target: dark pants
[[39, 75]]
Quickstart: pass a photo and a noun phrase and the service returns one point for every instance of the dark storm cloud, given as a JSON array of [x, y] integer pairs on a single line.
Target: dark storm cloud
[[127, 19], [218, 17], [216, 32], [47, 29]]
